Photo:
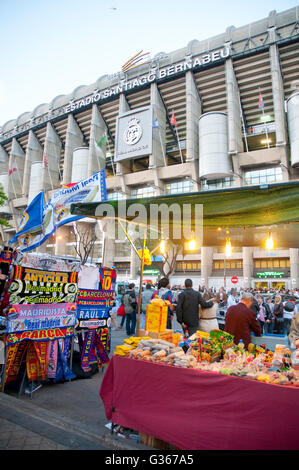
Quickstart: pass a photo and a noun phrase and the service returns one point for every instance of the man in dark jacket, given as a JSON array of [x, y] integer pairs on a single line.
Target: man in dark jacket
[[240, 321], [130, 303], [187, 311]]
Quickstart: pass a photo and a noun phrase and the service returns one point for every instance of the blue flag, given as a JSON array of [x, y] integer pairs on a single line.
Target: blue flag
[[32, 218], [155, 123], [93, 189]]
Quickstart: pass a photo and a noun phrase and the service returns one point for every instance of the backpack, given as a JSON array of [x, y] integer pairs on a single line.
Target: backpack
[[128, 301]]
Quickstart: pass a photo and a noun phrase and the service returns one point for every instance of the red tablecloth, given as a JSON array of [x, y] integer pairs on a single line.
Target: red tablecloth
[[193, 409]]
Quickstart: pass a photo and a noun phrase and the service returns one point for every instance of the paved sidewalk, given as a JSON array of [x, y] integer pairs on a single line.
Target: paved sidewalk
[[63, 416]]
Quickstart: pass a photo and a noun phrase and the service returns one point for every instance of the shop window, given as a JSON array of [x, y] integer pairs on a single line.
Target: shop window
[[146, 191], [179, 187], [263, 176], [115, 195], [282, 263], [276, 263], [220, 183]]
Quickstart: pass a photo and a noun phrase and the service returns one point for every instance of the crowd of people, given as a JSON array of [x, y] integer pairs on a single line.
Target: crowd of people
[[248, 310]]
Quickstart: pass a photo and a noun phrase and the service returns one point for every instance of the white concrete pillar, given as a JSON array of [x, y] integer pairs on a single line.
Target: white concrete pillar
[[97, 156], [234, 121], [36, 173], [74, 138], [16, 166], [294, 267], [108, 243], [135, 264], [62, 238], [158, 156], [52, 152], [193, 111], [206, 264], [34, 153], [247, 266], [122, 168], [3, 160], [278, 103]]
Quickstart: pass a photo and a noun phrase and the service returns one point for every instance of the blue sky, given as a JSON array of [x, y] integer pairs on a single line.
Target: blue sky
[[49, 47]]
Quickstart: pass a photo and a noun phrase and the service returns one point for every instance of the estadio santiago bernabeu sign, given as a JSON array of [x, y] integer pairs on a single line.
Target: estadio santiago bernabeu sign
[[156, 74]]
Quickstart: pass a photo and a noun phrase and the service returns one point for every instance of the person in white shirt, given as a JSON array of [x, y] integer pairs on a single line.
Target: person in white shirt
[[232, 300]]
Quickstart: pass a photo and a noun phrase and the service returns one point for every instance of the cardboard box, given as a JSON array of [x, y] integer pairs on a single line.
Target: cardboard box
[[156, 318], [153, 442], [165, 335]]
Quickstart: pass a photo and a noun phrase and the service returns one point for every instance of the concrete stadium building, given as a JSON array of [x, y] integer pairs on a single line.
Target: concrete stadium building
[[213, 89]]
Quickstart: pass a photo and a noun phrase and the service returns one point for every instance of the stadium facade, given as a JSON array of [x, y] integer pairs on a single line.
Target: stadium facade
[[225, 113]]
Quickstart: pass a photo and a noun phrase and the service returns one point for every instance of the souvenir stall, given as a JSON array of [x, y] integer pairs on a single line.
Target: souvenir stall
[[204, 393], [47, 311], [93, 306], [209, 394], [41, 321]]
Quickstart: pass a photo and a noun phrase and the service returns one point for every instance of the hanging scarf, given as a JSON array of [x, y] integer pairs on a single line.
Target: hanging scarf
[[52, 359], [63, 371], [36, 360], [15, 354], [87, 350]]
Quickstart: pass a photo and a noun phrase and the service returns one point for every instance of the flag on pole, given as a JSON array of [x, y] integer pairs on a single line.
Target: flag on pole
[[32, 217], [69, 185], [155, 124], [11, 170], [261, 100], [173, 120], [102, 141], [45, 161]]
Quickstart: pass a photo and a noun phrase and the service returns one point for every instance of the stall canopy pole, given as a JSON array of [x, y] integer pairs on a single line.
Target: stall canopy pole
[[141, 280]]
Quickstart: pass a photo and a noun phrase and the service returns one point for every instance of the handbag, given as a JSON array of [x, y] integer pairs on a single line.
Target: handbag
[[121, 311]]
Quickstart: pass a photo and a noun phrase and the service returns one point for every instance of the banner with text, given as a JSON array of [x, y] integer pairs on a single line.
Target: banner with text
[[34, 286]]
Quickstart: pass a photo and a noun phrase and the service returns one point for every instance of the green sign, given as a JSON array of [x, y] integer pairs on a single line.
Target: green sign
[[270, 274], [151, 272]]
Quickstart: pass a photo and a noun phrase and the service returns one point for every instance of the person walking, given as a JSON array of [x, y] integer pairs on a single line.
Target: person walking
[[240, 320], [255, 305], [221, 297], [232, 298], [208, 316], [261, 316], [145, 300], [278, 315], [164, 293], [130, 303], [187, 307], [269, 316]]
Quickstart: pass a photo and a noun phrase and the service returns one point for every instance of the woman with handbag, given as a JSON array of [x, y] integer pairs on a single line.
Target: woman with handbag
[[278, 315], [121, 313]]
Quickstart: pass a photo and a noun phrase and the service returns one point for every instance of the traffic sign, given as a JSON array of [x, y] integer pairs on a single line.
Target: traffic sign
[[234, 279]]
